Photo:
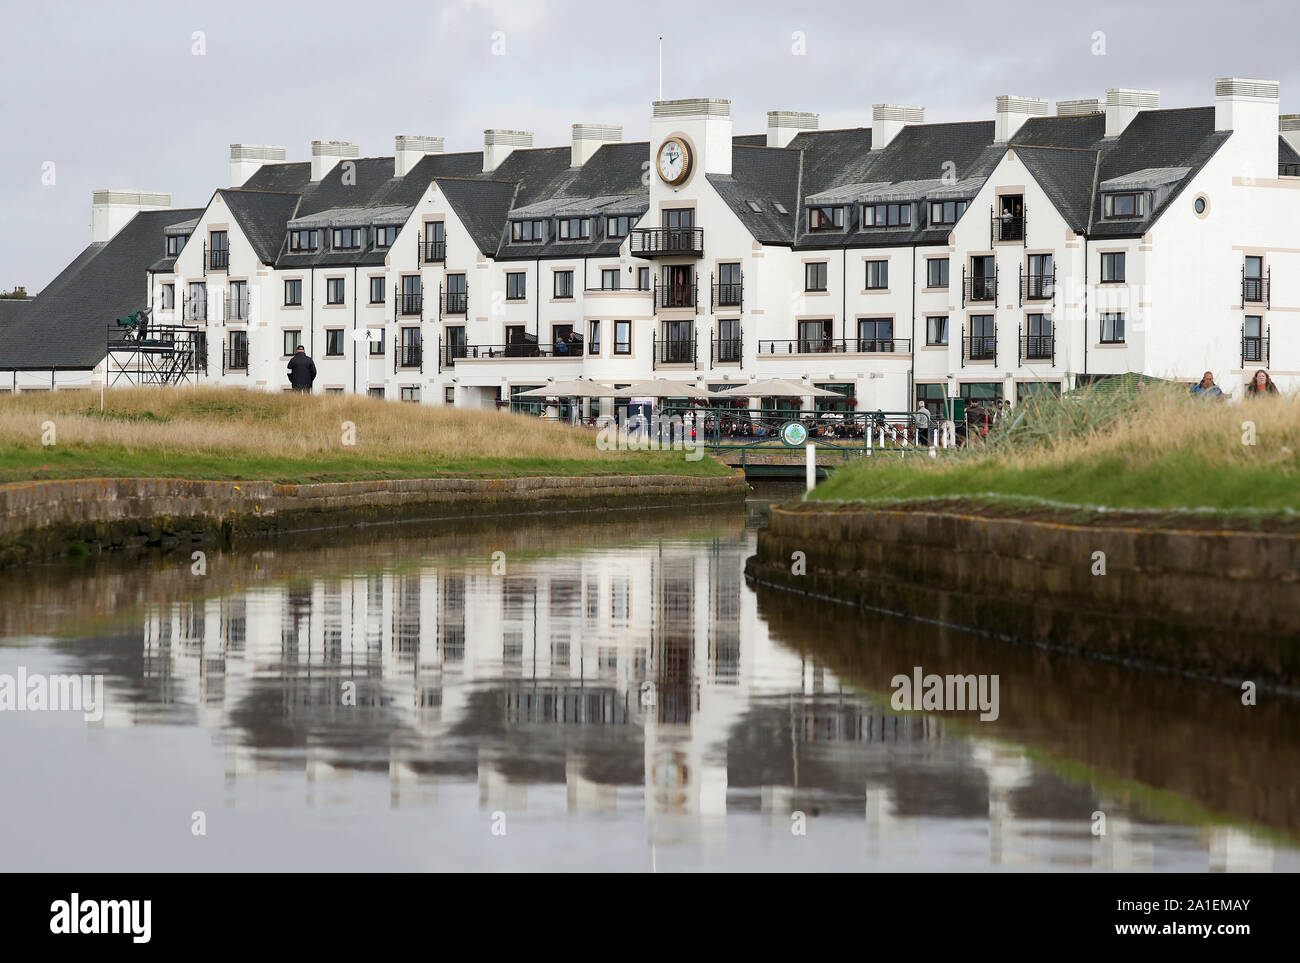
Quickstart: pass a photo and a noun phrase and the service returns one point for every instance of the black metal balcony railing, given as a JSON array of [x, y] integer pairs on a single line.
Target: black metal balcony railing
[[728, 294], [1038, 347], [433, 252], [236, 309], [218, 259], [881, 345], [1037, 287], [1254, 349], [195, 309], [980, 347], [1256, 290], [559, 351], [660, 241], [837, 346], [674, 351], [675, 295], [727, 350], [980, 289], [455, 302], [407, 355], [1008, 228], [234, 357], [409, 305]]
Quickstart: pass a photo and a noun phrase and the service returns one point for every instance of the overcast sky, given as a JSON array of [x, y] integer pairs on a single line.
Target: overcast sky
[[115, 95]]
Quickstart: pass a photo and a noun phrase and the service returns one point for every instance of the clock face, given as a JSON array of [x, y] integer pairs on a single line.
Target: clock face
[[674, 161]]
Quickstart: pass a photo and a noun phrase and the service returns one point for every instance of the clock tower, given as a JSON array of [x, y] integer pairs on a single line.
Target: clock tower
[[688, 138]]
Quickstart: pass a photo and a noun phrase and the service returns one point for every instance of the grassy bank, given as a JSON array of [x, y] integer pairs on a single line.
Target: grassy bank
[[1158, 449], [234, 434]]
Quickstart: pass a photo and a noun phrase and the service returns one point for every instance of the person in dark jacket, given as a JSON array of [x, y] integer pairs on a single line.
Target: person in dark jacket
[[302, 370]]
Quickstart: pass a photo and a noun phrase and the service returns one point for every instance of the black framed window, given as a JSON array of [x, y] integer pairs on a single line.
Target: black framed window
[[643, 279], [1124, 204], [346, 239], [611, 279], [943, 213], [175, 242], [385, 236], [304, 241], [877, 275], [292, 338], [168, 295], [573, 228], [619, 226], [825, 218], [875, 334], [622, 337], [936, 331], [516, 285], [814, 276], [378, 290], [293, 292], [593, 337], [1112, 328], [527, 232], [334, 290], [814, 335], [376, 336], [333, 342], [563, 284], [1113, 267], [936, 272], [887, 215]]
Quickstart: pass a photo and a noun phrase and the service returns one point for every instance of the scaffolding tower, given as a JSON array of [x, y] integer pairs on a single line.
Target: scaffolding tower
[[140, 353]]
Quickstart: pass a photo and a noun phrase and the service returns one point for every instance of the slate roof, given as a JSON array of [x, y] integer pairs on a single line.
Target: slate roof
[[67, 323], [1067, 175], [769, 176], [11, 309], [262, 216], [1286, 154]]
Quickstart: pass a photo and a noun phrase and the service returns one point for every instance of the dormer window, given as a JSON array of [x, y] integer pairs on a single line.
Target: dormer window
[[825, 218], [946, 212], [346, 239], [1129, 204], [303, 242], [527, 232], [175, 242], [886, 215], [385, 236], [619, 226], [573, 228]]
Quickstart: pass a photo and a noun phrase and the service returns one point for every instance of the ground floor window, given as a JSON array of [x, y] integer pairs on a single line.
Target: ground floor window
[[931, 397], [525, 406], [375, 392], [1112, 329], [334, 391], [981, 391], [449, 395], [411, 394], [1028, 389], [841, 404], [376, 338]]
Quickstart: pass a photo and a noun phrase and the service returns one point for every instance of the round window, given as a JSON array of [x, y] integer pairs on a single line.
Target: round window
[[1200, 205]]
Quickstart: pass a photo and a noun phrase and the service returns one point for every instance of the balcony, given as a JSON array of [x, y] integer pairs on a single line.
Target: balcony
[[561, 351], [455, 302], [195, 309], [674, 351], [726, 350], [407, 356], [1037, 287], [730, 294], [433, 252], [1256, 290], [666, 242], [676, 296], [979, 347], [234, 358], [218, 259], [410, 305], [836, 346], [1254, 349], [979, 289], [1038, 347], [236, 309], [1008, 228]]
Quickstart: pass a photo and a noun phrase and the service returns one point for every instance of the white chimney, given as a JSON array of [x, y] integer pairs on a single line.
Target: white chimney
[[245, 159], [1288, 126], [1078, 108], [409, 150], [784, 125], [500, 144], [111, 210], [1012, 112], [326, 153], [1249, 108], [589, 138], [888, 119], [706, 124], [1123, 104]]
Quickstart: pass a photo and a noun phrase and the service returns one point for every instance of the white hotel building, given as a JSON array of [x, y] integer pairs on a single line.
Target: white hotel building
[[902, 263]]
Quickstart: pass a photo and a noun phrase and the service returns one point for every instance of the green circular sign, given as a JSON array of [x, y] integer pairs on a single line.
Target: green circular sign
[[793, 434]]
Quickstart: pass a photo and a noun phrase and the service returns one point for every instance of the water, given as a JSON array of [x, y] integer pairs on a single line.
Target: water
[[608, 693]]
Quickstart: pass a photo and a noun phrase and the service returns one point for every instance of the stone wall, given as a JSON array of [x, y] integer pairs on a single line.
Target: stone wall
[[1220, 604], [38, 519]]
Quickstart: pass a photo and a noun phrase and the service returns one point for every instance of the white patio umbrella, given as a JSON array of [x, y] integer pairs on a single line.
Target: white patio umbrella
[[570, 389], [776, 388], [667, 388]]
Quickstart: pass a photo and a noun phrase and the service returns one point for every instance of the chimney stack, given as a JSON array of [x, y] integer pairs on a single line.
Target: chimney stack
[[245, 159], [1123, 104], [409, 150], [500, 144], [1078, 108], [888, 119], [326, 153], [589, 138], [1013, 111], [1249, 108], [784, 125], [111, 210], [1289, 128]]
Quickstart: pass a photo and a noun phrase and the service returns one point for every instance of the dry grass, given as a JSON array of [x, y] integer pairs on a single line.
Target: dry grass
[[242, 430]]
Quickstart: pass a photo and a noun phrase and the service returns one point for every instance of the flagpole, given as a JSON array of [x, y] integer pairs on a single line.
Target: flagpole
[[661, 68]]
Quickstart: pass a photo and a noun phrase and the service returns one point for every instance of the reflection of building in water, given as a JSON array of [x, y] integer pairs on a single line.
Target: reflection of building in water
[[641, 673]]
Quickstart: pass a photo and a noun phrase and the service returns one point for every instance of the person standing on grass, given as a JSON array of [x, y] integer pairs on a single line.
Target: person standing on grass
[[1206, 388], [302, 370], [1261, 385]]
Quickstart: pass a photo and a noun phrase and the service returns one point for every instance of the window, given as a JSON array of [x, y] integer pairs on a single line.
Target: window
[[610, 279], [293, 293], [1252, 287], [375, 392], [619, 226], [573, 228], [175, 242], [815, 336], [333, 342], [679, 218], [334, 391], [527, 232], [946, 212], [237, 305], [1041, 278], [196, 308], [516, 285], [729, 340], [936, 272], [376, 338], [334, 290], [435, 241], [593, 337], [643, 279], [981, 391], [412, 294], [1112, 328], [877, 275], [1038, 337], [814, 276], [936, 331], [168, 297], [887, 215], [1122, 205], [303, 241], [219, 250], [1112, 268], [238, 350], [932, 397], [346, 239], [457, 298], [563, 284], [825, 218], [377, 286], [385, 236], [292, 339], [983, 338], [876, 334], [622, 337], [730, 285], [1199, 206], [1252, 340], [411, 394]]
